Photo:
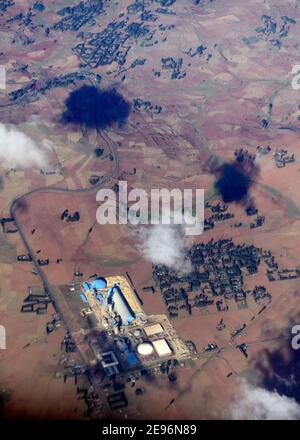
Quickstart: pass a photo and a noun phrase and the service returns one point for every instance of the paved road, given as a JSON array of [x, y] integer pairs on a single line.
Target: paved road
[[113, 173]]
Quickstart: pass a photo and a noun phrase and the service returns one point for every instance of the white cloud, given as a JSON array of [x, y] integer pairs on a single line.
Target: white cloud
[[165, 244], [17, 150], [255, 403]]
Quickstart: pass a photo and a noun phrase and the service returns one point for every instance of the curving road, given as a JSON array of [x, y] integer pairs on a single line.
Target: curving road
[[113, 173]]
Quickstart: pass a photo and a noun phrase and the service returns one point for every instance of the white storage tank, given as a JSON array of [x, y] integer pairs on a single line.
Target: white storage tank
[[145, 349]]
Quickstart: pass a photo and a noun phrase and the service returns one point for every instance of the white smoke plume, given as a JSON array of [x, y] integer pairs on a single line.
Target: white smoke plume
[[255, 403], [165, 244], [17, 150]]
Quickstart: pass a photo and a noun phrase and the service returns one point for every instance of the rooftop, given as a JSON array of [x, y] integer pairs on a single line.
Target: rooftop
[[162, 347]]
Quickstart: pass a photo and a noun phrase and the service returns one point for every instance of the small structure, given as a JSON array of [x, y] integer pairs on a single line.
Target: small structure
[[99, 283], [9, 226], [154, 329], [145, 349], [25, 257], [162, 347], [109, 363]]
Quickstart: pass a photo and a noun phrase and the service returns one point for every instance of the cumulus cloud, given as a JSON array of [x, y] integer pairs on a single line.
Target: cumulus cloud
[[17, 150], [165, 244], [255, 403]]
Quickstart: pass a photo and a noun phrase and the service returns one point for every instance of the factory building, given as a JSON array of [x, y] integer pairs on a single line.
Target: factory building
[[120, 305], [99, 283], [162, 347], [153, 329], [159, 347], [114, 296], [83, 297]]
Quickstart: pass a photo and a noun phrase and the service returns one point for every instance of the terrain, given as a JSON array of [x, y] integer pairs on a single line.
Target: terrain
[[203, 80]]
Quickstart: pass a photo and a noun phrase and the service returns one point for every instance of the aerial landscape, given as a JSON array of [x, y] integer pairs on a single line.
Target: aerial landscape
[[106, 317]]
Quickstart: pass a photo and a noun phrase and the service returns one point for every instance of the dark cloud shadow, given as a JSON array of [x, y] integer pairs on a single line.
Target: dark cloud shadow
[[281, 371], [233, 184], [91, 107], [235, 179]]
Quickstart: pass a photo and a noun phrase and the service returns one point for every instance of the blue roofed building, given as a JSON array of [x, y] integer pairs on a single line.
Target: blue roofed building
[[100, 298], [83, 297], [115, 303], [132, 359], [86, 286], [120, 305], [99, 283]]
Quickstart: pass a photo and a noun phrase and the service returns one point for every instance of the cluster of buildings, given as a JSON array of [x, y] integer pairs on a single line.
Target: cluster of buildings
[[36, 88], [24, 257], [219, 215], [36, 301], [25, 20], [260, 294], [270, 26], [220, 210], [175, 66], [273, 31], [166, 3], [74, 17], [94, 179], [51, 172], [68, 343], [9, 225], [258, 221], [242, 155], [200, 51], [137, 6], [165, 11], [112, 44], [146, 106], [5, 4], [147, 15], [54, 324], [274, 274], [251, 210], [73, 369], [66, 216], [263, 150], [282, 157], [218, 275]]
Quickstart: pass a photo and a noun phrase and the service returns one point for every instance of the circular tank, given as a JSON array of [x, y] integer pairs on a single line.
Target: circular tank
[[145, 349], [99, 283]]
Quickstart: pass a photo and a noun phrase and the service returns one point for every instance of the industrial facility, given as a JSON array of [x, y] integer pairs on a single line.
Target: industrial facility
[[133, 340], [112, 301]]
